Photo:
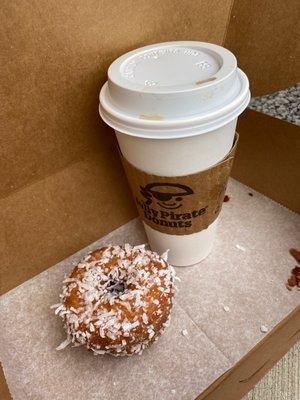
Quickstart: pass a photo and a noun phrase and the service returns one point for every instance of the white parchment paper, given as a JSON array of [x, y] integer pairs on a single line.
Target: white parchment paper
[[221, 305]]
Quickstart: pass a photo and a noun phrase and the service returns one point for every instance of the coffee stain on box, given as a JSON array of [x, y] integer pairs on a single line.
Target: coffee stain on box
[[206, 80], [152, 117]]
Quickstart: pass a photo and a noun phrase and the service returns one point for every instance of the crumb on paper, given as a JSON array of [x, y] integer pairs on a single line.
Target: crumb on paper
[[294, 279], [164, 256], [238, 246], [184, 332], [250, 194], [288, 287], [226, 198], [226, 308], [296, 254], [55, 306], [264, 329], [64, 344], [173, 391]]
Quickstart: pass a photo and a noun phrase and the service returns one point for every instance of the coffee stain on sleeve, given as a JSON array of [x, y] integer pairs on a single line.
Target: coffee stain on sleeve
[[151, 117], [206, 80]]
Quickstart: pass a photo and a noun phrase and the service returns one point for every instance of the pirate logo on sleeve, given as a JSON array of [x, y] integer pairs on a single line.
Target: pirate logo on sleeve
[[167, 195]]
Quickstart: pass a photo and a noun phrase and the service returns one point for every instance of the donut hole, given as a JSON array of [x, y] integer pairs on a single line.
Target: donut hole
[[116, 287]]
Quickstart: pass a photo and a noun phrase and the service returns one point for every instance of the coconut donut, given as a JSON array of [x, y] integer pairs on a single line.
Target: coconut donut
[[117, 300]]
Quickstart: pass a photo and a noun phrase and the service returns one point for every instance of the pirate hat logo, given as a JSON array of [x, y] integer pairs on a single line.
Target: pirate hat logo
[[167, 195]]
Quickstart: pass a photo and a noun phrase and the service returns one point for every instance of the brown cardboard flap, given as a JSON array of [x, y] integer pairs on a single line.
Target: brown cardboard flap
[[4, 393], [267, 157], [263, 36], [51, 219], [55, 58]]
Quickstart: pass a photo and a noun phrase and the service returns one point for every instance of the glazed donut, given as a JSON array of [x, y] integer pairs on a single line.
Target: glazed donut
[[117, 300]]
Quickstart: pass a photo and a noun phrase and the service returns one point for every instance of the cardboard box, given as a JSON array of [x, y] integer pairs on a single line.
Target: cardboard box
[[63, 185]]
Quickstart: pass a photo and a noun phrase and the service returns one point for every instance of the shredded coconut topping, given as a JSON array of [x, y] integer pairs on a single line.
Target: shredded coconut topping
[[117, 300], [184, 332], [264, 329], [242, 248], [64, 344]]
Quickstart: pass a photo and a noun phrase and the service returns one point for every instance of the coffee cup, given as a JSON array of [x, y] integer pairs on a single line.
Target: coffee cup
[[174, 108]]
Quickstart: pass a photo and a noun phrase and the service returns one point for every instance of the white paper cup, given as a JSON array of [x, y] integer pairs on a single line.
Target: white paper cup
[[174, 107]]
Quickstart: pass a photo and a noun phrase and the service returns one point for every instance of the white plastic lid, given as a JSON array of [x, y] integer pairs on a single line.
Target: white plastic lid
[[172, 90]]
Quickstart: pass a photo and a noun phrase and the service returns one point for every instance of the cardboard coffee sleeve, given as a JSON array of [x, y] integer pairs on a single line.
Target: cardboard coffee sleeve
[[180, 205]]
